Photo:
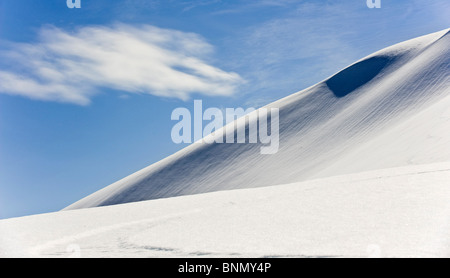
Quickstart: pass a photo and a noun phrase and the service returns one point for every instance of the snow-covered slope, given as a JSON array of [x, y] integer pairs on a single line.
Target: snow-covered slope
[[363, 170], [389, 109], [398, 212]]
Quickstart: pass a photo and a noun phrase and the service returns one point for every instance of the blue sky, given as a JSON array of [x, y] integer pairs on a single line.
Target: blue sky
[[86, 94]]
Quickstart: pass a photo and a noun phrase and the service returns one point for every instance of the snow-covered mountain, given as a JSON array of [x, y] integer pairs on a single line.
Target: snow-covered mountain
[[397, 212], [389, 109], [363, 169]]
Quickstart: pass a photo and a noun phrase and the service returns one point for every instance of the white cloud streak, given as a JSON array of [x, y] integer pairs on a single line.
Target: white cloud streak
[[74, 66]]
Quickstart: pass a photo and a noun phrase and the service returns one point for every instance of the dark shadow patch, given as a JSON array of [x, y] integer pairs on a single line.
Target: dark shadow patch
[[301, 256], [200, 254], [355, 76]]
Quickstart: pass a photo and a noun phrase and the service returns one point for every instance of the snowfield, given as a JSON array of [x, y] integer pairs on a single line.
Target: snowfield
[[363, 170], [389, 109], [399, 212]]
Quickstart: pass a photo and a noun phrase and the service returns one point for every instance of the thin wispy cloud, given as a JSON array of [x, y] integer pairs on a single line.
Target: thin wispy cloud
[[74, 66], [249, 6], [308, 41], [303, 45]]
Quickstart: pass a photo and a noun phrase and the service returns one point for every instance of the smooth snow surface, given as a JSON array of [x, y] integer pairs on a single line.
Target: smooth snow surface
[[363, 170], [401, 212], [389, 109]]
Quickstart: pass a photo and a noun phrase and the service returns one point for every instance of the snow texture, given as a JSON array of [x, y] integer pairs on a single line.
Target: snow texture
[[363, 170], [389, 109], [398, 212]]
